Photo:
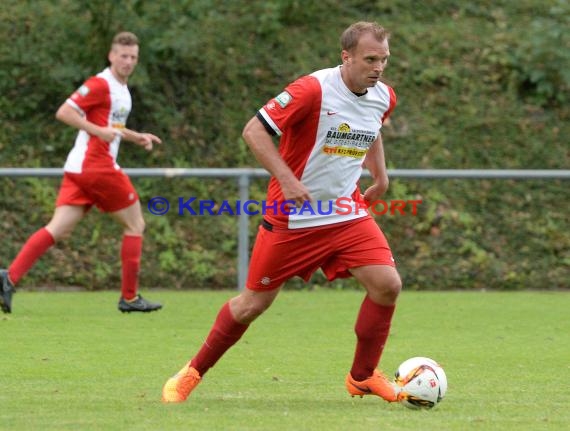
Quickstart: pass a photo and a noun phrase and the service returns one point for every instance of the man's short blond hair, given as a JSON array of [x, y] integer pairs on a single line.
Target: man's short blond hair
[[350, 37], [125, 38]]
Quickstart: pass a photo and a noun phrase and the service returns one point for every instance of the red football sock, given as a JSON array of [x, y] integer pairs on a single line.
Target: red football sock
[[372, 329], [31, 251], [131, 251], [225, 332]]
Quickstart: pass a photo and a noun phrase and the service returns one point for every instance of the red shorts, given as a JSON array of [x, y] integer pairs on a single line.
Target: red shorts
[[281, 254], [109, 191]]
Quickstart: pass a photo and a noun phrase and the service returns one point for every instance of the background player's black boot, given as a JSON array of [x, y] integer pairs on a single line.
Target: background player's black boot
[[138, 304], [6, 291]]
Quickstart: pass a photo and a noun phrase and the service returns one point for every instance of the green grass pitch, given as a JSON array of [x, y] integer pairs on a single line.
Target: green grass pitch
[[71, 361]]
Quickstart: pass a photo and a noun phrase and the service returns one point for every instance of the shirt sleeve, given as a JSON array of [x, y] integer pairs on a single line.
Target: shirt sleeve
[[291, 105], [93, 92]]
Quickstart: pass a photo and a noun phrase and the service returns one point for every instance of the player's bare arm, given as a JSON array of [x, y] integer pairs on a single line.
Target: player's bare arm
[[376, 164], [266, 153], [145, 140], [72, 117]]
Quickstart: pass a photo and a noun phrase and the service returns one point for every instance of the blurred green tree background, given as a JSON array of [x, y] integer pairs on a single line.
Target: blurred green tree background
[[484, 84]]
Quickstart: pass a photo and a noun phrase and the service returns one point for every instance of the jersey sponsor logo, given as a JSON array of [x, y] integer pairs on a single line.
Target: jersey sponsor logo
[[283, 99], [345, 152], [331, 113], [119, 117], [359, 139], [346, 142]]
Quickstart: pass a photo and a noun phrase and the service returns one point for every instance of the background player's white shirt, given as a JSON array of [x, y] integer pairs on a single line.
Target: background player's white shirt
[[106, 102], [325, 132]]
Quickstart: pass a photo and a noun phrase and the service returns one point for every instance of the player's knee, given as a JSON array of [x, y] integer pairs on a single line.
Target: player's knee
[[135, 227], [253, 311], [246, 312], [393, 287], [59, 233], [387, 289]]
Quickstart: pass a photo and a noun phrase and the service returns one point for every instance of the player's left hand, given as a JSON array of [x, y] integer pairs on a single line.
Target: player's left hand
[[146, 140], [374, 192]]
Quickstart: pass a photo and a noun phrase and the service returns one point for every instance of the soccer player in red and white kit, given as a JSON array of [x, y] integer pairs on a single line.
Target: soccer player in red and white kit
[[99, 109], [329, 126]]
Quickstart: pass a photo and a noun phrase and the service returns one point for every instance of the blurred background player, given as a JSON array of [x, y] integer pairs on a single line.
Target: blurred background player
[[329, 123], [99, 109]]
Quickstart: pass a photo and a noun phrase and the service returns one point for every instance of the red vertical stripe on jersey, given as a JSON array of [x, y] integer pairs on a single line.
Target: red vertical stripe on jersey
[[301, 126], [99, 97]]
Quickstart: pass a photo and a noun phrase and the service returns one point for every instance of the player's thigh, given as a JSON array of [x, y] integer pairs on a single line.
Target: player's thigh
[[280, 255], [64, 220], [111, 190], [357, 244], [71, 192], [131, 218]]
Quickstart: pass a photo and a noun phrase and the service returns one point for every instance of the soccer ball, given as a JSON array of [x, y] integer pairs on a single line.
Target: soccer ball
[[424, 382]]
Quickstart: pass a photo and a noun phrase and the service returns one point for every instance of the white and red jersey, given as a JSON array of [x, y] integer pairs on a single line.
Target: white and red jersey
[[105, 102], [325, 131]]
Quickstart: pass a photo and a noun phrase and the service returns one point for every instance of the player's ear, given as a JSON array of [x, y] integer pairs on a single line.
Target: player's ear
[[111, 55]]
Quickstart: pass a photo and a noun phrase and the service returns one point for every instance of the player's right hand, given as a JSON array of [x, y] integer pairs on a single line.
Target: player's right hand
[[295, 191], [108, 134]]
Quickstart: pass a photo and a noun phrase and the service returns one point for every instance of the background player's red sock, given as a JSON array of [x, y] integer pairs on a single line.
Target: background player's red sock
[[31, 251], [225, 332], [372, 329], [131, 251]]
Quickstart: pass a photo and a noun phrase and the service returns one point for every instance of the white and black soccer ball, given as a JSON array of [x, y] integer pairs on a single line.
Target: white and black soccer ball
[[423, 381]]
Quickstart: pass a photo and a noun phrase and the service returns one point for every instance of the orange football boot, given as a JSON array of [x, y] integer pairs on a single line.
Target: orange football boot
[[178, 387], [377, 384]]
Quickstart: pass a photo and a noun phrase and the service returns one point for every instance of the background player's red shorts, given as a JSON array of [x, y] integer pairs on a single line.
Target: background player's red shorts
[[281, 254], [109, 191]]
